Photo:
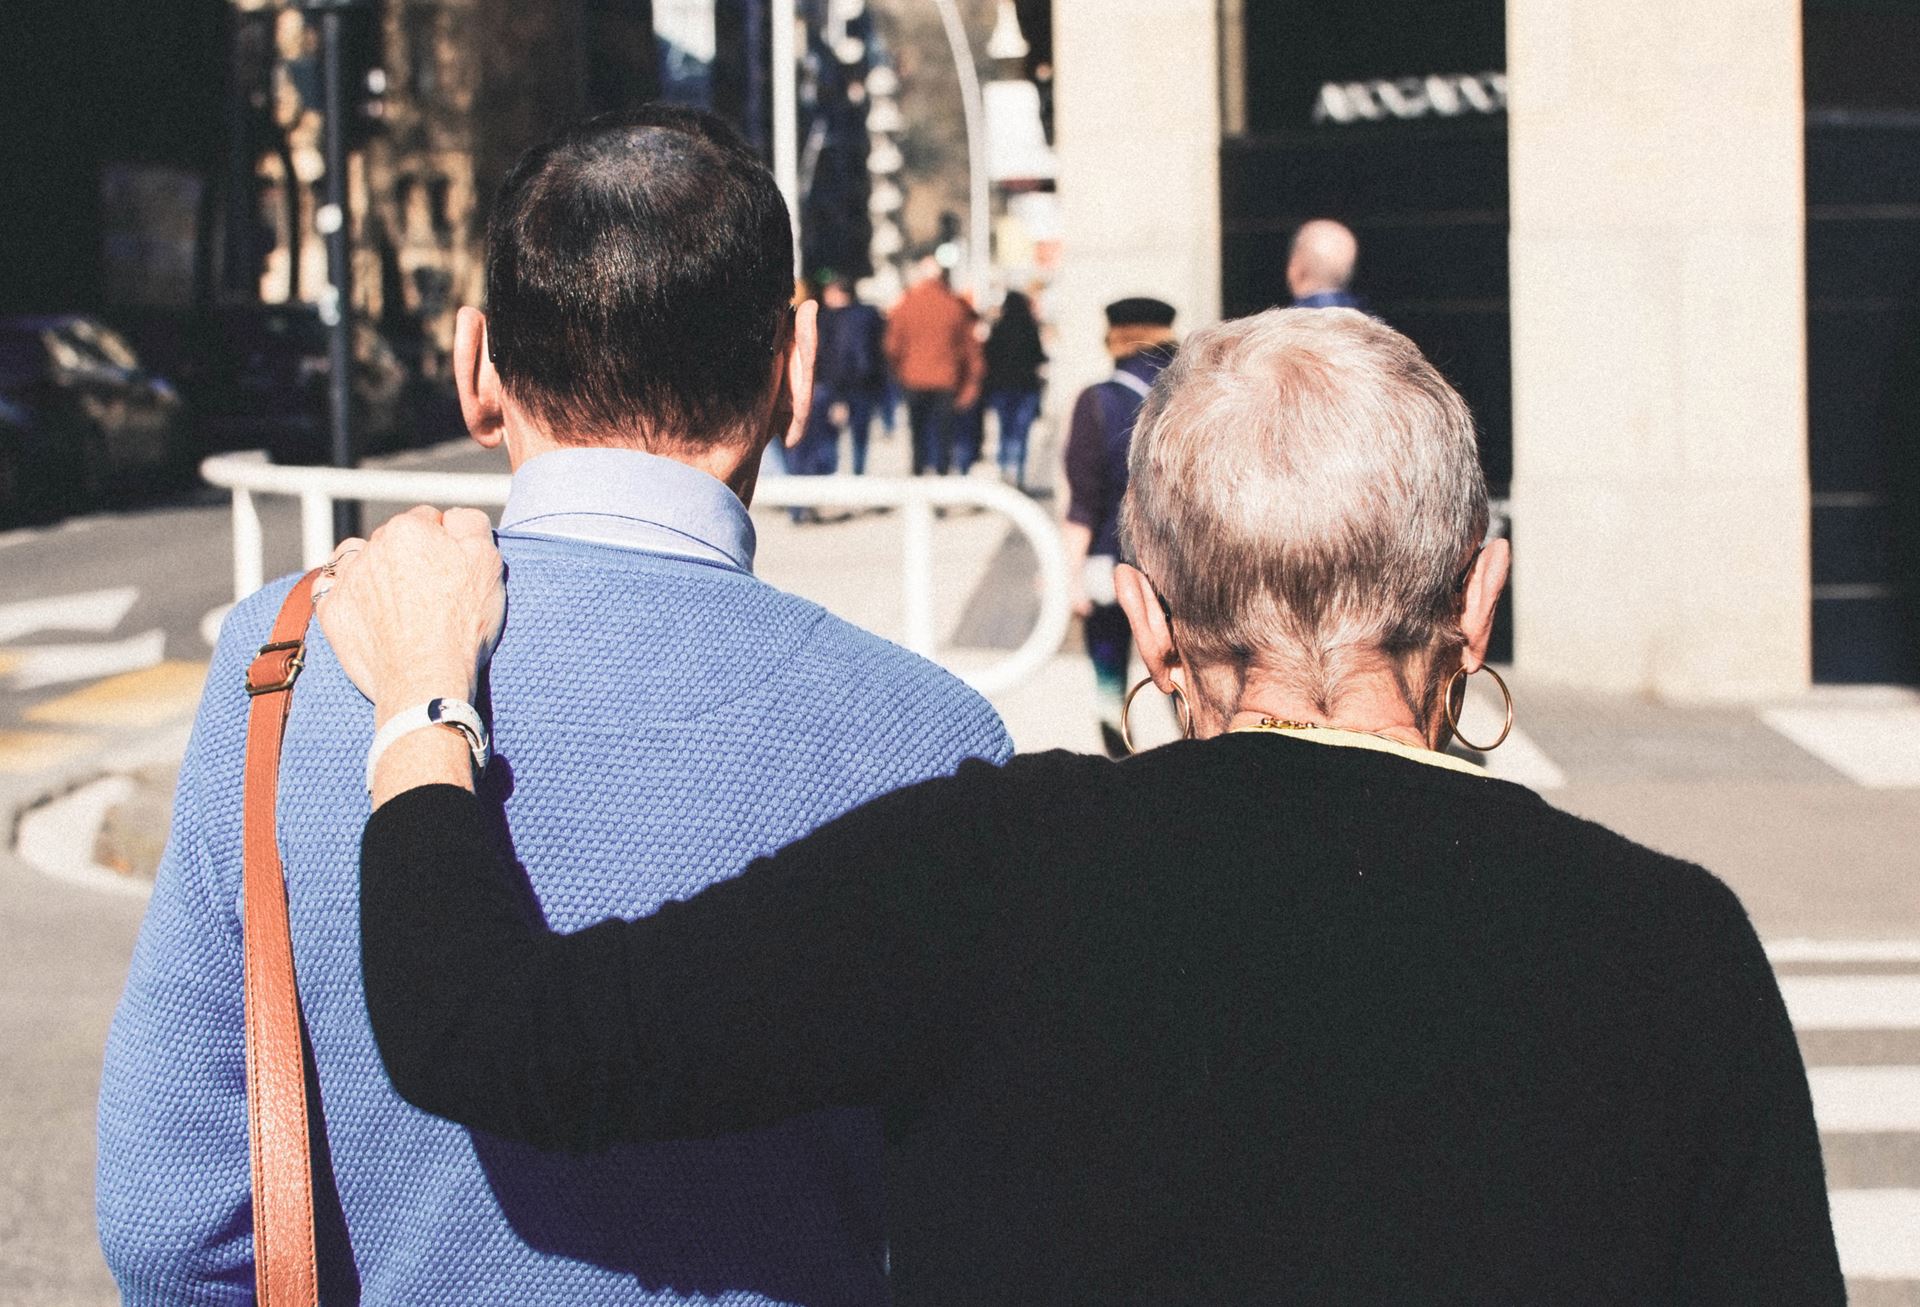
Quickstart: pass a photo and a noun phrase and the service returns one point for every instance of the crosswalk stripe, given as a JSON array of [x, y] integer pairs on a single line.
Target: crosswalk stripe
[[138, 700], [98, 611], [59, 664], [1865, 1099], [1875, 1229], [1781, 951], [1852, 1002], [1877, 746]]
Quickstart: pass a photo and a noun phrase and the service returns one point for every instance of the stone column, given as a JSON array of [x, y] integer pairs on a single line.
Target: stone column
[[1659, 346], [1137, 130]]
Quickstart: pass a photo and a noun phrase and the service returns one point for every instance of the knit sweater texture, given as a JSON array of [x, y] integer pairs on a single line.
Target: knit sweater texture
[[658, 722]]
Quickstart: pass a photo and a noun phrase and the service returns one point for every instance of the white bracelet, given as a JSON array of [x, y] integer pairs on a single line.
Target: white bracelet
[[456, 713]]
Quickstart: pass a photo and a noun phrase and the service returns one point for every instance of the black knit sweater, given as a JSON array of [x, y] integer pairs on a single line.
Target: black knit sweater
[[1243, 1020]]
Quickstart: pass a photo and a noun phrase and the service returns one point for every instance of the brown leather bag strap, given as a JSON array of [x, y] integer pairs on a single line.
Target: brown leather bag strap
[[285, 1265]]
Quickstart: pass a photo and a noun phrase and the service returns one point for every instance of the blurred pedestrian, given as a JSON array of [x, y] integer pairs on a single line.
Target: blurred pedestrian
[[1320, 264], [1140, 341], [931, 348], [969, 419], [849, 380], [1298, 1010], [1014, 357]]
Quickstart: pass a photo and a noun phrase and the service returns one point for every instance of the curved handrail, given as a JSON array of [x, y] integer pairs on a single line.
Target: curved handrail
[[249, 474]]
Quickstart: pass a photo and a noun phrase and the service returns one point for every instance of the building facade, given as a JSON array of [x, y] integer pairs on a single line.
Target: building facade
[[1671, 256]]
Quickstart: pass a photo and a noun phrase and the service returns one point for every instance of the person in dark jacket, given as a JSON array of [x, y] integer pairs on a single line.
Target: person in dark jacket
[[849, 380], [1140, 340], [1300, 1009], [1014, 357]]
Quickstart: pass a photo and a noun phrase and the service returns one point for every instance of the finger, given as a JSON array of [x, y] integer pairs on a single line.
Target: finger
[[467, 522], [322, 583], [345, 550]]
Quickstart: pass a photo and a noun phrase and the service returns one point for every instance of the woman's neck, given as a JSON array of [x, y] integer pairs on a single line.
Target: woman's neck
[[1369, 703]]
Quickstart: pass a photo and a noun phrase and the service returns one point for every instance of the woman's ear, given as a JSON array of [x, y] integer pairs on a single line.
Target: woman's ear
[[1152, 633], [476, 380], [1485, 580]]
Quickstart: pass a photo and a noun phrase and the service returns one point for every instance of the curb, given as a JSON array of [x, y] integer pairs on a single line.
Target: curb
[[51, 819]]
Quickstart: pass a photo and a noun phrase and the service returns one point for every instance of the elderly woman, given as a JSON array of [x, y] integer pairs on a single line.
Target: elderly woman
[[1299, 1009]]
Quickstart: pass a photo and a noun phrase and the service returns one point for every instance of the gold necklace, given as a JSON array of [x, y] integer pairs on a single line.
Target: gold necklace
[[1286, 724]]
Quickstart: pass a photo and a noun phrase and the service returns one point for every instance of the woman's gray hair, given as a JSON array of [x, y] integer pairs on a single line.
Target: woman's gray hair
[[1305, 493]]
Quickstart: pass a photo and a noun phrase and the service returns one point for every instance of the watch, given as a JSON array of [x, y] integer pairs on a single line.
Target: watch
[[455, 713]]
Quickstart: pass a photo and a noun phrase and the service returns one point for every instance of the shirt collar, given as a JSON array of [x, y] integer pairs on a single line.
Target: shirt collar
[[630, 499]]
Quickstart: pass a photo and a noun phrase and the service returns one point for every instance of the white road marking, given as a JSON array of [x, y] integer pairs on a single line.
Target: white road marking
[[1877, 746], [1876, 1231], [58, 837], [1852, 1002], [57, 664], [1844, 950], [1865, 1099], [95, 610], [210, 624]]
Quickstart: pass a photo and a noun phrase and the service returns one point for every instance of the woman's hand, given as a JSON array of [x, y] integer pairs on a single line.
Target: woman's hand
[[414, 613]]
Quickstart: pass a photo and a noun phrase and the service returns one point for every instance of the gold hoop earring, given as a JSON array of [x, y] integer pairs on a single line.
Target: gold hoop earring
[[1458, 682], [1180, 706]]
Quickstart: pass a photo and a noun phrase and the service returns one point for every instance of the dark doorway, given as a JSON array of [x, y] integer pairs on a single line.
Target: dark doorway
[[1388, 115], [1863, 336]]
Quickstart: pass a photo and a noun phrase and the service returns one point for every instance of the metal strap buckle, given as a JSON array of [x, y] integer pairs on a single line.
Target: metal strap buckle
[[291, 671]]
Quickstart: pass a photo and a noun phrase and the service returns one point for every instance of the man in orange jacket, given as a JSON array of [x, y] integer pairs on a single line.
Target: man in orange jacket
[[931, 347]]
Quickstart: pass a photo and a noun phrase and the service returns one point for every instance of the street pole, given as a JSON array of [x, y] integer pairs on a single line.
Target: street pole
[[979, 217], [336, 300], [786, 113]]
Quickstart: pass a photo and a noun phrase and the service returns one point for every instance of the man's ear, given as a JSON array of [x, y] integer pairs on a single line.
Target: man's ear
[[1485, 580], [798, 368], [1152, 634], [476, 381]]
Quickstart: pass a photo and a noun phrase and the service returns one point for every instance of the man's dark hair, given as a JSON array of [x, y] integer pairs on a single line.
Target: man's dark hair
[[639, 279]]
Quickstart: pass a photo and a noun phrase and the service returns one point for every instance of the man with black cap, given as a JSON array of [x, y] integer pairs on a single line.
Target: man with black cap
[[1140, 338]]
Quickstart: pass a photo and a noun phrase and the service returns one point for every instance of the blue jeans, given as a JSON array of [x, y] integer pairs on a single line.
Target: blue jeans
[[966, 438], [930, 415], [1016, 410], [818, 453]]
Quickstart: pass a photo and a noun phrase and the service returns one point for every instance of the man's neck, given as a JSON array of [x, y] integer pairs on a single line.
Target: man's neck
[[734, 464]]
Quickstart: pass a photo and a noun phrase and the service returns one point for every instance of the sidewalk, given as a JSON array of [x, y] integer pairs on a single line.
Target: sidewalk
[[60, 972]]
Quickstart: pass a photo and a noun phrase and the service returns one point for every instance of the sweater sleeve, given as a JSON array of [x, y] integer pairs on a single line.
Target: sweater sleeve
[[172, 1187], [838, 972], [1086, 462], [1759, 1229]]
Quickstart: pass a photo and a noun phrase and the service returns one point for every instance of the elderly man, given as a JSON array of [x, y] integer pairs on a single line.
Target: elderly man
[[659, 717], [1320, 265]]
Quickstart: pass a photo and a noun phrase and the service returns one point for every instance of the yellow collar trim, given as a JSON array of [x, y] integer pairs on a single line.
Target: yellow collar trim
[[1340, 739]]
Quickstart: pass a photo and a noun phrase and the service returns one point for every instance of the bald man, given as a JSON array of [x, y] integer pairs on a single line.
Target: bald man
[[1320, 265]]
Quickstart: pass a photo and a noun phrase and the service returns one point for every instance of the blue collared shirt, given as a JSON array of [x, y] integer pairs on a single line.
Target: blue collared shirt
[[630, 499], [1328, 299]]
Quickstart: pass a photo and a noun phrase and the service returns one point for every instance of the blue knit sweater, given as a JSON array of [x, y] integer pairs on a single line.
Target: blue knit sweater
[[658, 722]]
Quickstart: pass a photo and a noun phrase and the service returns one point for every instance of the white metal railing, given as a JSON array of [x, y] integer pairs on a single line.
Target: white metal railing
[[249, 476]]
